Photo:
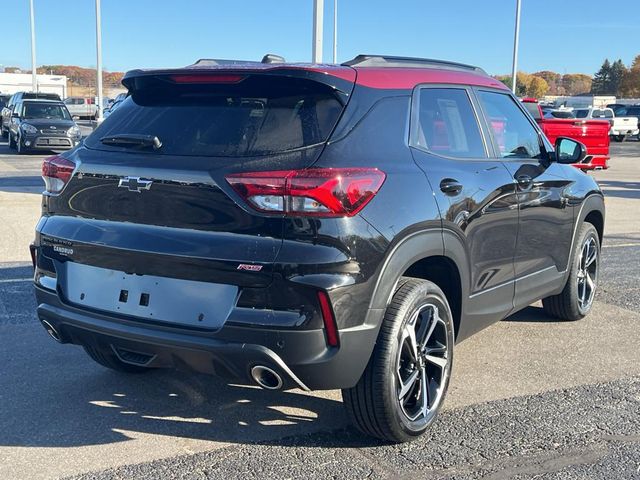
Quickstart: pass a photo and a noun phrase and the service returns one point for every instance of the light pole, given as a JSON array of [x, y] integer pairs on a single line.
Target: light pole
[[318, 13], [514, 71], [34, 73], [335, 31], [98, 62]]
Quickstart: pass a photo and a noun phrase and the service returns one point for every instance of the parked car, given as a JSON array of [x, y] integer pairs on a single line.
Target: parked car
[[42, 125], [594, 134], [81, 107], [7, 110], [113, 107], [628, 111], [3, 103], [276, 224], [621, 127]]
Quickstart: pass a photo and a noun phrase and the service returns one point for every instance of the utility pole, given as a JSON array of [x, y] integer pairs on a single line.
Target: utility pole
[[98, 62], [318, 20], [514, 72], [34, 73], [335, 31]]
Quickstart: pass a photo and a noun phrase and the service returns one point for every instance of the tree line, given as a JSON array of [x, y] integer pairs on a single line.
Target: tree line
[[612, 79], [77, 76]]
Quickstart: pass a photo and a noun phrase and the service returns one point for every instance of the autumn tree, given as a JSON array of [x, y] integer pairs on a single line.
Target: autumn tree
[[630, 85], [576, 83], [537, 87], [553, 79]]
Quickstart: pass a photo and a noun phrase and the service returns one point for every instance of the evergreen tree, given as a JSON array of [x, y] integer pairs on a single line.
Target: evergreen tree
[[618, 72], [602, 79]]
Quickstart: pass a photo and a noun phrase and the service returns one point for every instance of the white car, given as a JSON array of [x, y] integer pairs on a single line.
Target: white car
[[621, 127]]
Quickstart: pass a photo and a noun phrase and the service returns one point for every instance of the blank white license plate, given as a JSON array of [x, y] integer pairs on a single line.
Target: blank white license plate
[[165, 299]]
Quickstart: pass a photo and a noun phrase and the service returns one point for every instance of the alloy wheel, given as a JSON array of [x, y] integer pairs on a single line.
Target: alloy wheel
[[423, 364], [587, 275]]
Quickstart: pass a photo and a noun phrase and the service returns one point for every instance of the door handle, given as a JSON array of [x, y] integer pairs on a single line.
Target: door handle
[[450, 186], [524, 181]]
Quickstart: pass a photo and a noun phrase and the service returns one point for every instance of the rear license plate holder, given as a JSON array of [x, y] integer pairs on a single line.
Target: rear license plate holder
[[164, 299]]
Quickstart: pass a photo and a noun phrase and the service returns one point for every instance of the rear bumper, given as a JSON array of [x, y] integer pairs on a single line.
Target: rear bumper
[[623, 131], [48, 142], [593, 163], [300, 357]]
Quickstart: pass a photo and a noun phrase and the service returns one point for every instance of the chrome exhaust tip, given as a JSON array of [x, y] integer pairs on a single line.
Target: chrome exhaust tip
[[53, 333], [266, 377]]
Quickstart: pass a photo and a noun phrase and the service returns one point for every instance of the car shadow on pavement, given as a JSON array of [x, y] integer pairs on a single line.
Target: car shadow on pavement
[[22, 184], [532, 314], [620, 189], [55, 396]]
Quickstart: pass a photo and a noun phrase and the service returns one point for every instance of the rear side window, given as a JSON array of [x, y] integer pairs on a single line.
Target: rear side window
[[260, 115], [447, 124], [513, 133]]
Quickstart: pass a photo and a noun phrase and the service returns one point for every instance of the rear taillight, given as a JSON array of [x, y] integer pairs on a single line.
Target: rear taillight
[[320, 192], [56, 172]]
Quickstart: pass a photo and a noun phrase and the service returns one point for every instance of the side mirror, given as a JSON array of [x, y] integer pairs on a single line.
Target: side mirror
[[15, 115], [569, 151]]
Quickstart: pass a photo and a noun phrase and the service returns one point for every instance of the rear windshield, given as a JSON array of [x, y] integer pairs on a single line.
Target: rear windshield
[[45, 110], [46, 96], [533, 109], [260, 115]]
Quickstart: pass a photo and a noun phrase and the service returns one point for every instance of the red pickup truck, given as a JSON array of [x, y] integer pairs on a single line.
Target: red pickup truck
[[593, 133]]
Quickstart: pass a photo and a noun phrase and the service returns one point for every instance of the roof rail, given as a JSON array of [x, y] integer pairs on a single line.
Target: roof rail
[[411, 62]]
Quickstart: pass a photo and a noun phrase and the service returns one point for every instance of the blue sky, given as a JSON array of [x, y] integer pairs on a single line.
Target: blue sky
[[566, 36]]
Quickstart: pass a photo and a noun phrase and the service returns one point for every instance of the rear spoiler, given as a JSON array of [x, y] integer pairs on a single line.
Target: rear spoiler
[[340, 78]]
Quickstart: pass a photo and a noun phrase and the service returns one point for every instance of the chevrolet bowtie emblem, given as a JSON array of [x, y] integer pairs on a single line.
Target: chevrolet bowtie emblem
[[135, 184]]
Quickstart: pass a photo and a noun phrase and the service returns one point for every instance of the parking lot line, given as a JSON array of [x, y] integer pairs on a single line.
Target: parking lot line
[[622, 245], [16, 280]]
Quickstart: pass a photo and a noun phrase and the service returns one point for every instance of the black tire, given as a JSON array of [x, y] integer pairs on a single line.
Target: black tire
[[568, 304], [3, 132], [376, 405], [106, 358], [12, 143]]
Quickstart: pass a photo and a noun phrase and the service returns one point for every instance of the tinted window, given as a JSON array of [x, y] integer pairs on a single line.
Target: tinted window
[[633, 111], [45, 110], [515, 136], [581, 113], [533, 109], [257, 116], [447, 124]]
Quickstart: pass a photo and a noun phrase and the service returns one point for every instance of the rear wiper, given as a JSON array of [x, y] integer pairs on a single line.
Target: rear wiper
[[132, 140]]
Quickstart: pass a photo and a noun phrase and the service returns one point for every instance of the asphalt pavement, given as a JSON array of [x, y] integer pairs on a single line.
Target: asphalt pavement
[[531, 397]]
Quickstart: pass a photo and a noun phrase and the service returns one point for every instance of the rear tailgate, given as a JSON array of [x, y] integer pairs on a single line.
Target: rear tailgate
[[594, 134], [169, 212]]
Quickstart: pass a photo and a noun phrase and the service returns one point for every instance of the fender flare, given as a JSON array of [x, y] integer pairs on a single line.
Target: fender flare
[[593, 202], [410, 249]]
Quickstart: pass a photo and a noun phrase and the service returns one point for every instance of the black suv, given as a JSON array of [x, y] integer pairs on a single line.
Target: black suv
[[313, 227]]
